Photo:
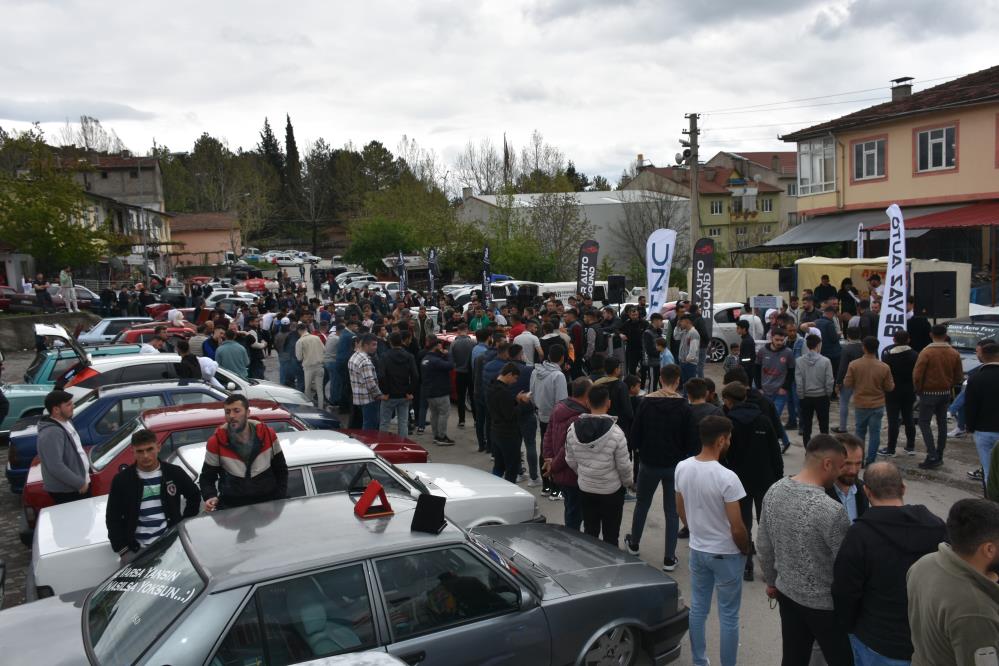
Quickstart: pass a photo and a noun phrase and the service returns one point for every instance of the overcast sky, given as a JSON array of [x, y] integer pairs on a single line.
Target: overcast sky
[[601, 79]]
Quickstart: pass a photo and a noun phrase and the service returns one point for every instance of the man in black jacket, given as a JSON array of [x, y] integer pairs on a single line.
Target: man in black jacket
[[980, 411], [848, 489], [435, 389], [504, 422], [868, 586], [901, 359], [747, 351], [144, 500], [663, 433], [398, 378], [754, 455]]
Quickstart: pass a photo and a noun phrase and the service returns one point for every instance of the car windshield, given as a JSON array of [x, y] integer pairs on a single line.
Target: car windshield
[[102, 454], [412, 478], [966, 337], [128, 612], [36, 364]]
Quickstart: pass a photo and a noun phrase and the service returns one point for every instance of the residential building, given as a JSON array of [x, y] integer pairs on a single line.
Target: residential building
[[779, 169], [204, 238], [146, 228], [934, 152], [737, 210], [133, 180], [620, 218]]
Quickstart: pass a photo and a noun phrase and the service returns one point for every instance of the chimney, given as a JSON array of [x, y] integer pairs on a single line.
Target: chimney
[[901, 88], [775, 164], [640, 162], [466, 193]]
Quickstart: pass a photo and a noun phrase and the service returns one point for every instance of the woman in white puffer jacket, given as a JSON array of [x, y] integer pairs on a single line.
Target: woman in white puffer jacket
[[597, 450]]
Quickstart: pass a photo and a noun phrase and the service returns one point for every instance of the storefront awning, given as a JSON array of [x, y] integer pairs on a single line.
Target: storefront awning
[[975, 215]]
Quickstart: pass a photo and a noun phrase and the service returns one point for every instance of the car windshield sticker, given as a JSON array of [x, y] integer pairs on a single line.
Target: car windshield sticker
[[150, 580]]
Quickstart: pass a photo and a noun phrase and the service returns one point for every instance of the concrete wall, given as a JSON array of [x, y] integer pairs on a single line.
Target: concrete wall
[[196, 244], [17, 333]]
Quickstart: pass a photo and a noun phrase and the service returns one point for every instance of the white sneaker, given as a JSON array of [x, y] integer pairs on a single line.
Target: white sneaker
[[521, 478], [956, 432], [534, 483]]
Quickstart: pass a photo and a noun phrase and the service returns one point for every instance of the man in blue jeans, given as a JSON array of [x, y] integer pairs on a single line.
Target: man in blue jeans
[[662, 434], [979, 405], [707, 496], [776, 363], [871, 380]]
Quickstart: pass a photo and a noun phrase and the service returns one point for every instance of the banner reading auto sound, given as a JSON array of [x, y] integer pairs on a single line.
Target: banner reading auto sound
[[586, 271], [704, 281], [658, 260], [896, 288]]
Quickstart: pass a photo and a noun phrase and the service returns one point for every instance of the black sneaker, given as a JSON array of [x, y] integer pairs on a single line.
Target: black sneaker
[[886, 452], [930, 463], [684, 533], [977, 475], [632, 547], [419, 431], [784, 448], [669, 564], [461, 424], [447, 440]]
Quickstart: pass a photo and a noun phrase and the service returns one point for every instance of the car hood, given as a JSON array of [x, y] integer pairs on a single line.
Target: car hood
[[386, 444], [460, 482], [577, 563], [26, 390], [71, 525], [44, 632], [281, 393]]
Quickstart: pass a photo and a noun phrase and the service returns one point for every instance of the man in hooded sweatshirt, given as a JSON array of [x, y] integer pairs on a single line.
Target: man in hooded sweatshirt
[[754, 455], [869, 575], [548, 388], [663, 434], [814, 383], [776, 363], [596, 449], [398, 377]]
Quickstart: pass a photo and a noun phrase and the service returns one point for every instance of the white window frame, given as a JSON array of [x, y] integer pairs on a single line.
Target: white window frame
[[717, 207], [930, 142], [816, 166], [767, 228], [714, 232], [741, 231], [767, 205], [861, 151]]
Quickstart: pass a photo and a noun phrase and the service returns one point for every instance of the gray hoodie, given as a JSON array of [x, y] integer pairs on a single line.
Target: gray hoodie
[[548, 388], [813, 375], [63, 470]]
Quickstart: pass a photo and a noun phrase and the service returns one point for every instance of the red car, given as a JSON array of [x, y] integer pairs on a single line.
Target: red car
[[146, 332], [192, 424], [6, 293]]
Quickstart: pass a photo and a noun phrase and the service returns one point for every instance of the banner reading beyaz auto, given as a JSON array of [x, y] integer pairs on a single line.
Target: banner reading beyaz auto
[[704, 280], [487, 292], [896, 289], [586, 271], [400, 267], [659, 251]]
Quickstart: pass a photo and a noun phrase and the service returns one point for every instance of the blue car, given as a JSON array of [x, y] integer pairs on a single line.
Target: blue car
[[102, 413]]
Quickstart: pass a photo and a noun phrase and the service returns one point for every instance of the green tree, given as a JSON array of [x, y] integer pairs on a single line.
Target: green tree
[[42, 208], [600, 184], [348, 184], [578, 180], [374, 238], [380, 168], [291, 192], [271, 149]]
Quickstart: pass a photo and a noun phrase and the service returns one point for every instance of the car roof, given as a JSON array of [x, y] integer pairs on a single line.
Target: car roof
[[253, 543], [208, 413], [151, 385], [132, 359], [307, 447]]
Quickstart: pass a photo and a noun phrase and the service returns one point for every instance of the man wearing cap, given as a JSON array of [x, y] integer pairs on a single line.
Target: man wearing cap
[[65, 465]]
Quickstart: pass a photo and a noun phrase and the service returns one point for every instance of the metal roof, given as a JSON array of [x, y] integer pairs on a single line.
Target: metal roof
[[976, 215], [596, 198], [840, 228], [262, 541]]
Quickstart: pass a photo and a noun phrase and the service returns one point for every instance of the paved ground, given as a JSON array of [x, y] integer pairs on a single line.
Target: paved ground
[[759, 623]]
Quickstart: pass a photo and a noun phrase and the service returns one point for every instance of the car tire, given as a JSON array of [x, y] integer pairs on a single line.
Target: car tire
[[619, 646], [717, 350]]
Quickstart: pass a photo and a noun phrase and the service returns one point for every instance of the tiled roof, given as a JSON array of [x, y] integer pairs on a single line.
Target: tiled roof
[[976, 215], [788, 160], [203, 222], [977, 88], [711, 180]]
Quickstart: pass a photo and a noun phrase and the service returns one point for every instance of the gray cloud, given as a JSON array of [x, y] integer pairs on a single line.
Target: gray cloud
[[49, 111], [912, 18]]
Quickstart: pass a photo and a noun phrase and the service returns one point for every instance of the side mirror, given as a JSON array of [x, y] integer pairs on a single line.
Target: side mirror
[[527, 600]]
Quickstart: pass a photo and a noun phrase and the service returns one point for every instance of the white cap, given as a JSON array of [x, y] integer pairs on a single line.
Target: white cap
[[285, 321]]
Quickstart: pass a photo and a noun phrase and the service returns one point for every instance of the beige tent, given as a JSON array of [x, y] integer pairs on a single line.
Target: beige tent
[[739, 284], [811, 269]]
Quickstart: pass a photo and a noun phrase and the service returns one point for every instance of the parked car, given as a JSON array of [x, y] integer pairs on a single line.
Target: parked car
[[85, 299], [183, 425], [330, 462], [964, 334], [145, 332], [106, 330], [508, 594], [100, 415], [6, 295], [308, 258], [61, 352], [283, 259]]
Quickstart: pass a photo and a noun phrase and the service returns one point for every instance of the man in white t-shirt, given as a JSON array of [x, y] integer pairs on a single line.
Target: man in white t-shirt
[[707, 499], [529, 342]]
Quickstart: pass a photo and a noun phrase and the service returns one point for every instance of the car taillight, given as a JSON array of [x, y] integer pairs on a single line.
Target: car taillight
[[12, 455], [82, 376]]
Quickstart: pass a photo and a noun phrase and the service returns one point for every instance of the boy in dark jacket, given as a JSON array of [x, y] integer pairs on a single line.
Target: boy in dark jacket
[[620, 405], [980, 406], [144, 500], [901, 359], [504, 433], [398, 378], [662, 434], [754, 455], [435, 389], [869, 577]]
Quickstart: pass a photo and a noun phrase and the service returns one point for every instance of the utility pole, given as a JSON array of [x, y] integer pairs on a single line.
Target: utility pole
[[695, 203]]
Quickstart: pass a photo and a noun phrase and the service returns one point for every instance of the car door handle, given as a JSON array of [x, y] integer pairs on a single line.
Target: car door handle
[[413, 658]]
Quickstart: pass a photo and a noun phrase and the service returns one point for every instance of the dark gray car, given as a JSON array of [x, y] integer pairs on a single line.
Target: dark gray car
[[285, 582]]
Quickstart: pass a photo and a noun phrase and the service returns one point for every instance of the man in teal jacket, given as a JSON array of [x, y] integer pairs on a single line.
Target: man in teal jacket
[[232, 356]]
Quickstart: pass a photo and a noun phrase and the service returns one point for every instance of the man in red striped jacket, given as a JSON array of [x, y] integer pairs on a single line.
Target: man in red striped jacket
[[243, 461]]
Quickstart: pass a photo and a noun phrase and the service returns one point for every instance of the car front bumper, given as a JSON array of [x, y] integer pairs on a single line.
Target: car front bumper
[[664, 642]]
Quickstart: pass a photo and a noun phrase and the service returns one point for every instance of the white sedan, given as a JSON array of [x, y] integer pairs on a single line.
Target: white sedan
[[71, 550]]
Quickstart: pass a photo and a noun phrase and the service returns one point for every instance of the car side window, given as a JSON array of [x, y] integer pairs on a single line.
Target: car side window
[[336, 477], [60, 366], [430, 591], [725, 317], [282, 426], [124, 411], [115, 327], [303, 618], [148, 371], [185, 437], [296, 483], [192, 398]]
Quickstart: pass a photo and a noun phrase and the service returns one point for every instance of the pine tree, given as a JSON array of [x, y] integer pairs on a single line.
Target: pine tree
[[271, 149], [291, 192]]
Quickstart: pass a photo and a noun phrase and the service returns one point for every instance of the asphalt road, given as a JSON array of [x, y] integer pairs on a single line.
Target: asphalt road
[[759, 624]]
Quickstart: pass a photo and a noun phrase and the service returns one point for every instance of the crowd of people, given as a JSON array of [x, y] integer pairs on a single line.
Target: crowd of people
[[623, 409]]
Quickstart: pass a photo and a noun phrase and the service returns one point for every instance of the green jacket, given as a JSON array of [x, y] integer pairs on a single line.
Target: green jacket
[[232, 356], [953, 610]]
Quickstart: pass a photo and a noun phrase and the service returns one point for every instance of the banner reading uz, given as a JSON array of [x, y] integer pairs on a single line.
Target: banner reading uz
[[433, 269], [704, 281], [400, 268], [896, 286], [658, 259], [486, 272], [586, 271]]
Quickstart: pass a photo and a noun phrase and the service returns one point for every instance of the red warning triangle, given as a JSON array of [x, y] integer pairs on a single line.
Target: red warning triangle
[[365, 507]]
